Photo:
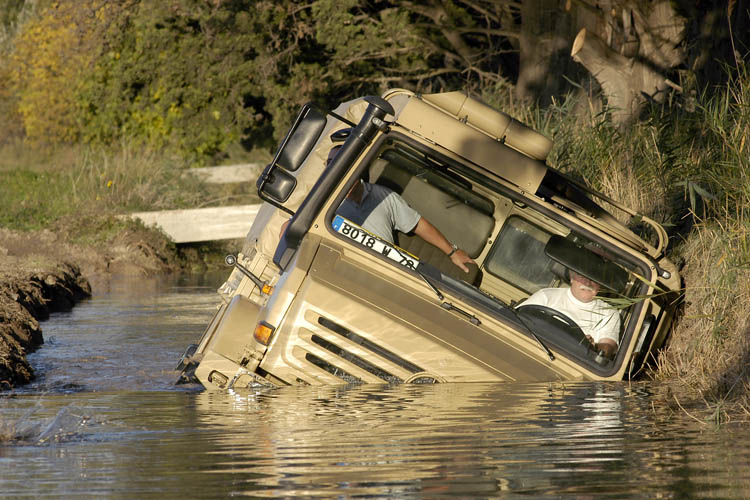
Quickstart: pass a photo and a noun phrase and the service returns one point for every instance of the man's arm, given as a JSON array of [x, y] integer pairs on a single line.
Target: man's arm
[[607, 332], [432, 235]]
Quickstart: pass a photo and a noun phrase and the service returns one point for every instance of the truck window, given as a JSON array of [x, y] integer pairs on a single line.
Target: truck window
[[435, 191], [518, 256]]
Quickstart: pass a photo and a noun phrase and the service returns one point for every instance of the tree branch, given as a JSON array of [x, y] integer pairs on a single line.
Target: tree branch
[[386, 79]]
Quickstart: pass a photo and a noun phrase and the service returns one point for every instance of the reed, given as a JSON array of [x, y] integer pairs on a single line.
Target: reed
[[710, 347]]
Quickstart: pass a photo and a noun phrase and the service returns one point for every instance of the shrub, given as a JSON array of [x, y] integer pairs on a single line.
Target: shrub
[[52, 55]]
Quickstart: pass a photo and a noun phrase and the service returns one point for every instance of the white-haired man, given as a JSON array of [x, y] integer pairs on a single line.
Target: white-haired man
[[599, 321]]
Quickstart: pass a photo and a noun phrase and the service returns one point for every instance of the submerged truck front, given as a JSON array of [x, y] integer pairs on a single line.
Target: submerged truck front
[[317, 299]]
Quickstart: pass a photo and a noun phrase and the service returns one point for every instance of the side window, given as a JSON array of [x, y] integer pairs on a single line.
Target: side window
[[518, 256], [409, 184]]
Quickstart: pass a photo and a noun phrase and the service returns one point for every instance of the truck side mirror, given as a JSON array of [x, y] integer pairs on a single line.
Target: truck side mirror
[[301, 138], [276, 183]]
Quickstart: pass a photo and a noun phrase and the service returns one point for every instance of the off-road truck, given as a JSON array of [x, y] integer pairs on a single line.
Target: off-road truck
[[316, 299]]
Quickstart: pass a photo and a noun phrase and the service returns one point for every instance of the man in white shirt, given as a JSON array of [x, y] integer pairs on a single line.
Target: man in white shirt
[[599, 321]]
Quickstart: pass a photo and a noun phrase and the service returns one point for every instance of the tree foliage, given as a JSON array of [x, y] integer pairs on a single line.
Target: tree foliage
[[170, 76], [194, 76], [197, 75], [47, 66]]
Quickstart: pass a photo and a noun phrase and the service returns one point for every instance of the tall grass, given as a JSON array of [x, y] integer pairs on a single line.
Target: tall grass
[[710, 348], [687, 165], [82, 182], [709, 353]]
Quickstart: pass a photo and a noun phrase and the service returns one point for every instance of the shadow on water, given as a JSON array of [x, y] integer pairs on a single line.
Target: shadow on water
[[106, 420]]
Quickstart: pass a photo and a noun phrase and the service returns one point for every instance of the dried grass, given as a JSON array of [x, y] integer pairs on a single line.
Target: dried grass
[[709, 351]]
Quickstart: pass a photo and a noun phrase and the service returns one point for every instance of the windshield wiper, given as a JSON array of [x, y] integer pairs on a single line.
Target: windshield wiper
[[450, 307], [541, 344], [431, 285], [440, 296], [533, 334]]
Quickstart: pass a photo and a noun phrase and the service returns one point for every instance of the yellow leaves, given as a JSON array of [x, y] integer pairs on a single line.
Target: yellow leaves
[[152, 124], [51, 56], [175, 111]]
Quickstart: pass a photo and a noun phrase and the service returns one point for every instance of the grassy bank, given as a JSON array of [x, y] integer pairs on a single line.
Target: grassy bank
[[686, 163], [78, 192]]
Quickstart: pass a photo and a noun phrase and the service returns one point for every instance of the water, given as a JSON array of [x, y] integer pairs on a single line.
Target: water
[[105, 420]]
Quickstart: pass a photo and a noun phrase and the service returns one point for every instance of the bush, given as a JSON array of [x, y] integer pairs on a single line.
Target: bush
[[52, 53], [194, 77]]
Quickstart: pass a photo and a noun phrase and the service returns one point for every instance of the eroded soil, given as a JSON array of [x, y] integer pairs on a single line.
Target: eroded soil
[[42, 272]]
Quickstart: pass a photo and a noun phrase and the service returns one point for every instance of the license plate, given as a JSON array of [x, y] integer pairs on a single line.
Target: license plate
[[361, 236]]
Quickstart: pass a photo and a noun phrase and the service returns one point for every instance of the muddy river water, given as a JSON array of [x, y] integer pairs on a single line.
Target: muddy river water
[[105, 420]]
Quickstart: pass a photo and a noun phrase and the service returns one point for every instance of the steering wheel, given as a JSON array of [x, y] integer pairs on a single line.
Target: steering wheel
[[547, 313]]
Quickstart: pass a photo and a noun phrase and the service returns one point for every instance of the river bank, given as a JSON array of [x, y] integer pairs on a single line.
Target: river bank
[[43, 272], [29, 294]]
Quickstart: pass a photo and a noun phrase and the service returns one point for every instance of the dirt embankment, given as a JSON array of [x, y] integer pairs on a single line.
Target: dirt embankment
[[41, 272], [27, 296]]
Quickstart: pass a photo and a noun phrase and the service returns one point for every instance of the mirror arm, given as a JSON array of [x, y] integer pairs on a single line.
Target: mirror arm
[[272, 202], [342, 119]]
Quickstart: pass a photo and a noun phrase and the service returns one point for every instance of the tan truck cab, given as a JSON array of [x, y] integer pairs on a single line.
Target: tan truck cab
[[316, 298]]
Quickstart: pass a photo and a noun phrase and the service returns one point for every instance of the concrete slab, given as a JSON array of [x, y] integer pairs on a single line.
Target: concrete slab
[[227, 174], [202, 224]]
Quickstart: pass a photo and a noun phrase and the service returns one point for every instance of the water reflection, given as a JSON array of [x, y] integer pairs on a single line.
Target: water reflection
[[105, 420], [572, 441]]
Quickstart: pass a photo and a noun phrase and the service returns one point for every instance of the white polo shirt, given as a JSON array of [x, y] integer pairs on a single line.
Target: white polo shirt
[[595, 318]]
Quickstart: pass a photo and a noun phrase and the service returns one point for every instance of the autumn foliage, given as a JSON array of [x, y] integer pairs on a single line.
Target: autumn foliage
[[195, 76]]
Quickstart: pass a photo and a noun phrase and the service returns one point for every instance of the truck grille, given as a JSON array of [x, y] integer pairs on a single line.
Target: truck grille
[[355, 360], [366, 344], [333, 370]]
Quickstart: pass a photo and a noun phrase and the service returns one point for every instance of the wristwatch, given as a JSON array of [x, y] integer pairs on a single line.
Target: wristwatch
[[454, 248]]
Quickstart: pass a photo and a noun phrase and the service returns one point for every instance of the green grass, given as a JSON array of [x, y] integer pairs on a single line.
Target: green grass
[[75, 184], [29, 199]]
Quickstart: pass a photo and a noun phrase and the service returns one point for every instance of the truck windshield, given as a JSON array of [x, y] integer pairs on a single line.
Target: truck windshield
[[511, 243]]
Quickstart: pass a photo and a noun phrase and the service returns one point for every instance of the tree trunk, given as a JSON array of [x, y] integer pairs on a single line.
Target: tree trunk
[[630, 48], [626, 82]]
